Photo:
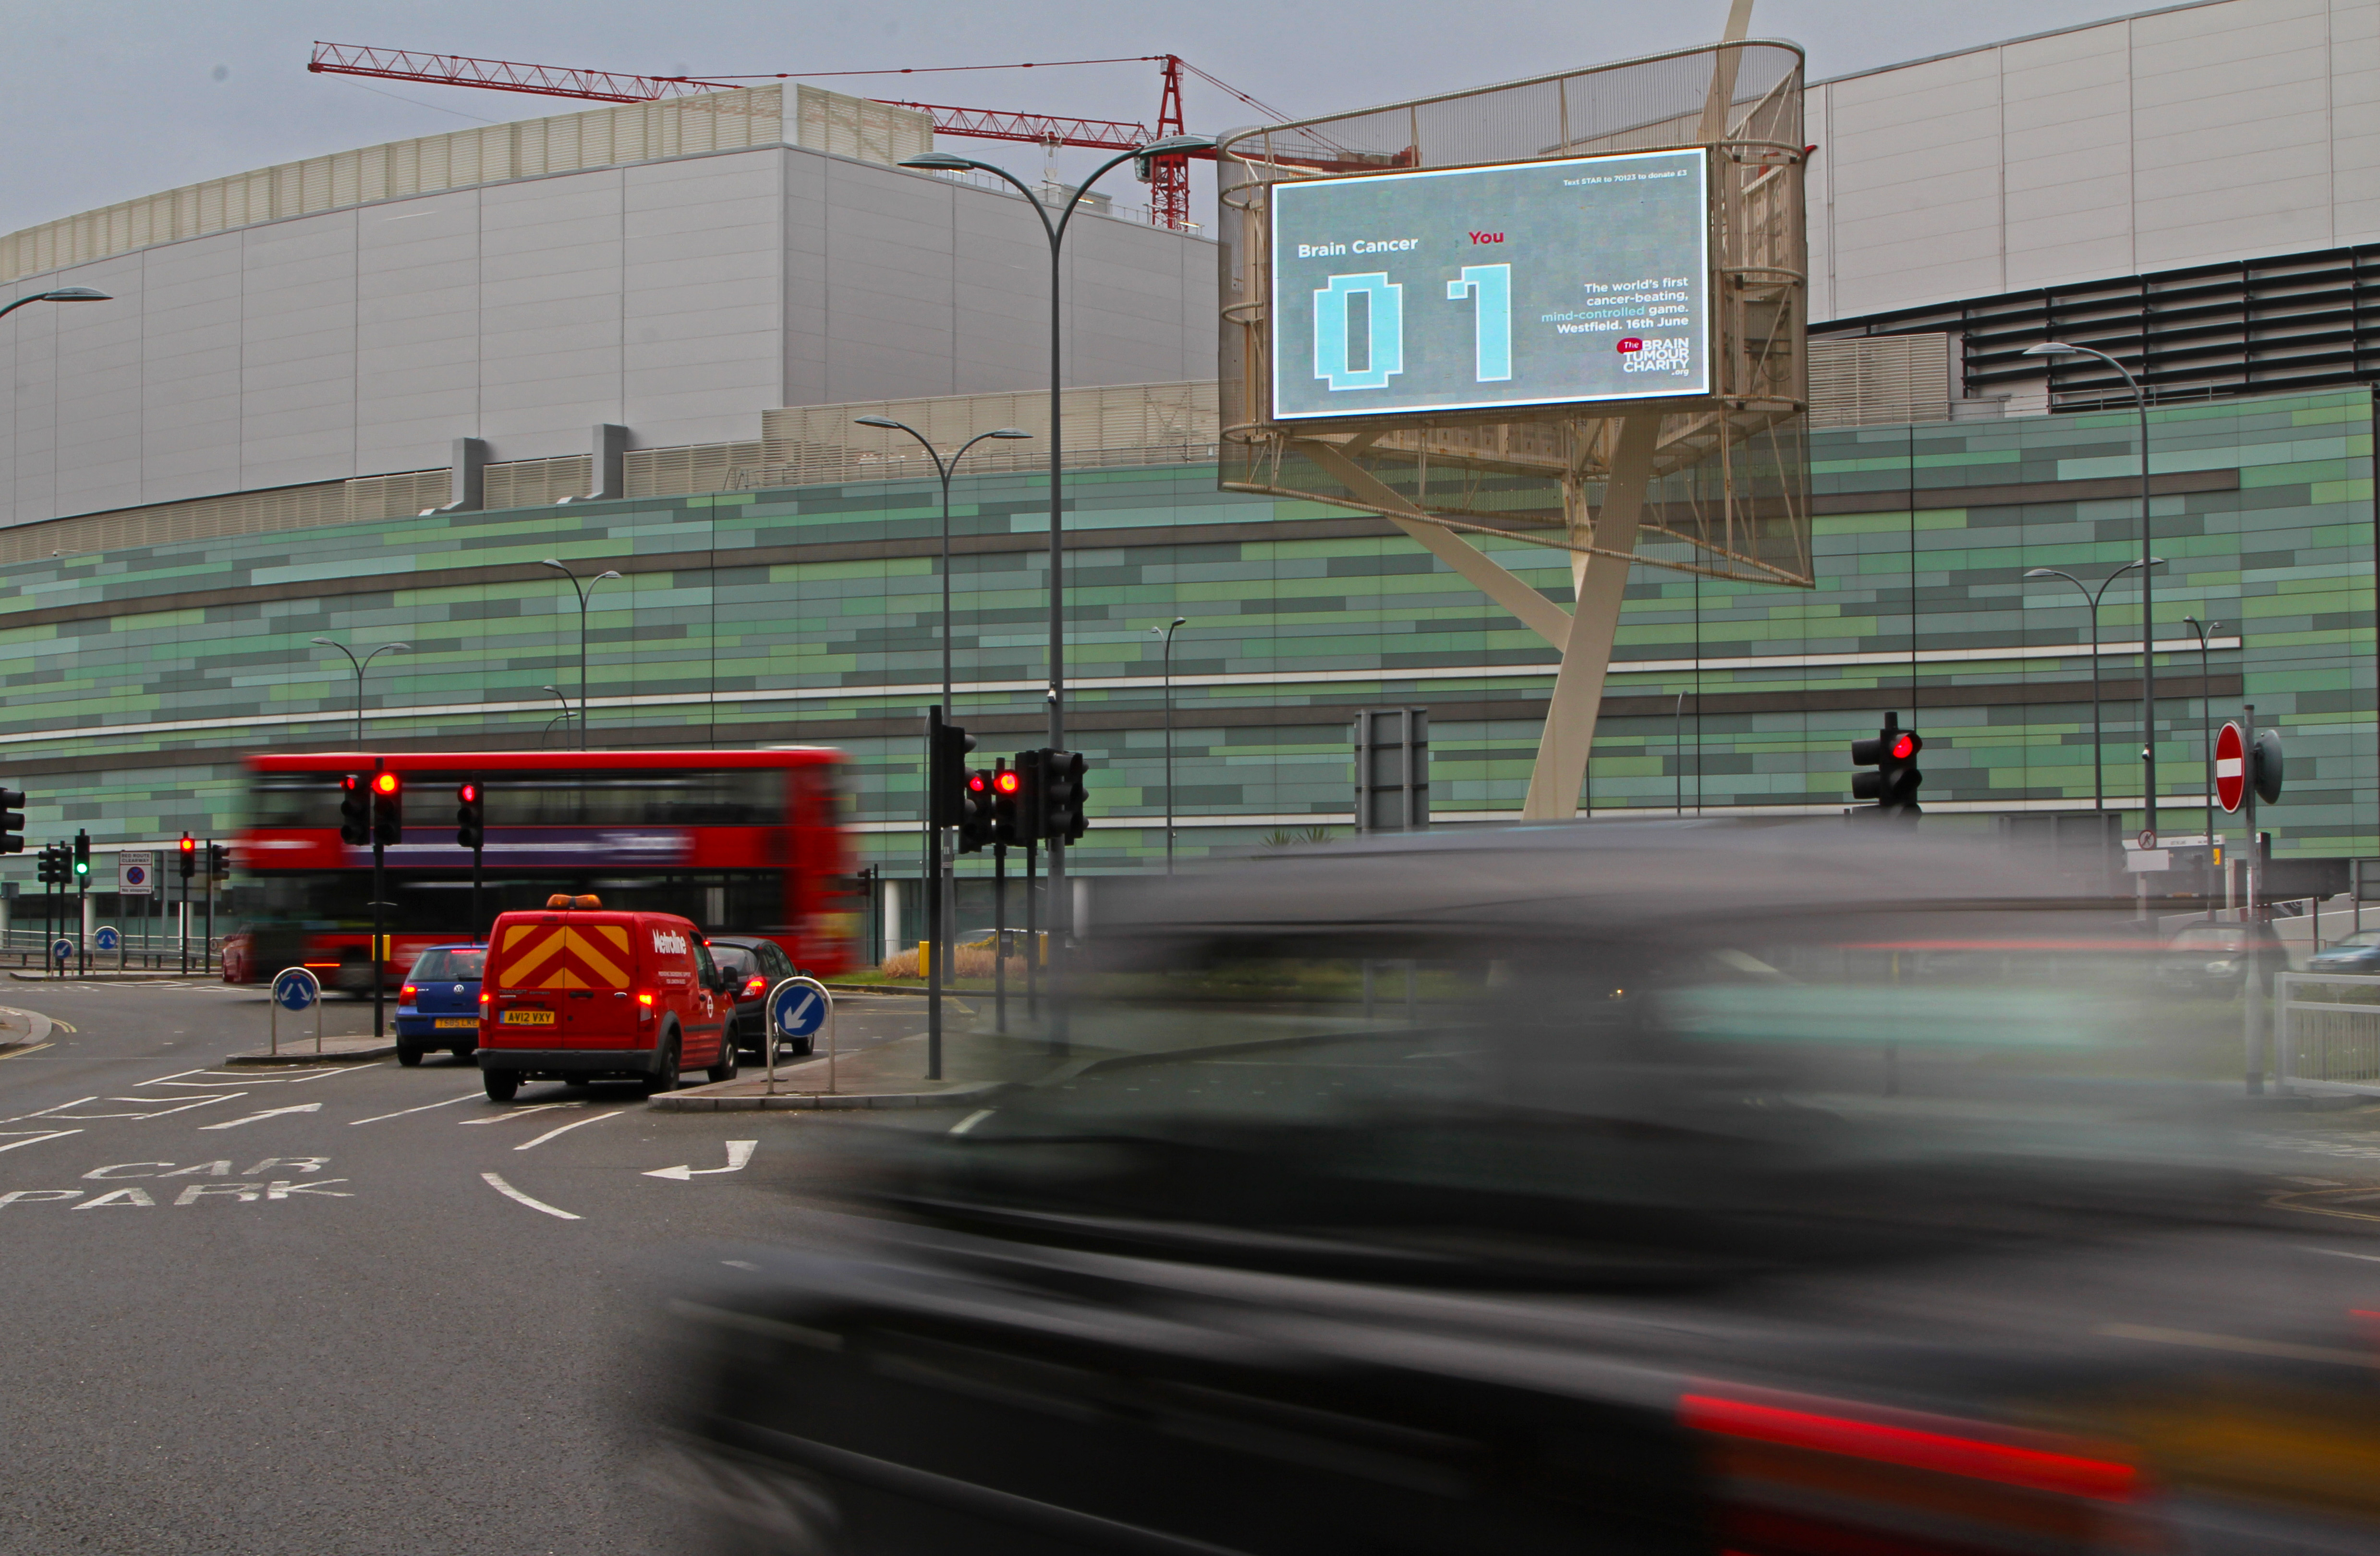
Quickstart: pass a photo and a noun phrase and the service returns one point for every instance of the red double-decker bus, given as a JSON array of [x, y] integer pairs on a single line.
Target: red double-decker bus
[[740, 842]]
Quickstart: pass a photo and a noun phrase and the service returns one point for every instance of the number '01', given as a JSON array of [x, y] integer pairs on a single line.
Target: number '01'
[[1489, 288]]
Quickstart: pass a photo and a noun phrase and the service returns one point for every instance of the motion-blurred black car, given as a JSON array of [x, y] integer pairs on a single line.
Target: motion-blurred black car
[[1782, 1190], [753, 966], [2219, 958]]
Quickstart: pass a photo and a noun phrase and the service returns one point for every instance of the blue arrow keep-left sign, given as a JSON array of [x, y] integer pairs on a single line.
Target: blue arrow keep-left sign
[[799, 1010]]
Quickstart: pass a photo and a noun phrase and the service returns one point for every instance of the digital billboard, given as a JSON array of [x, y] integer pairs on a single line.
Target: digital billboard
[[1527, 284]]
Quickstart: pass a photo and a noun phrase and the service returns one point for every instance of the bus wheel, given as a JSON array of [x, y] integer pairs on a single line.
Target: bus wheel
[[355, 978], [502, 1084]]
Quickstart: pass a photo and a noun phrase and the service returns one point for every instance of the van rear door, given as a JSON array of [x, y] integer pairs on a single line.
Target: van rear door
[[571, 974]]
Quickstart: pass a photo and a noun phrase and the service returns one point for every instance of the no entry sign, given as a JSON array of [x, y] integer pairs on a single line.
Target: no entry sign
[[2230, 767]]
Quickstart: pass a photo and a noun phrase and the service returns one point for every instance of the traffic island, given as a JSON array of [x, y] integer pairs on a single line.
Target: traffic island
[[334, 1051], [752, 1095]]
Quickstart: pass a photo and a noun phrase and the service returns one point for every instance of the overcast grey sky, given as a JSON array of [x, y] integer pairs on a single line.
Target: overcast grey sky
[[112, 99]]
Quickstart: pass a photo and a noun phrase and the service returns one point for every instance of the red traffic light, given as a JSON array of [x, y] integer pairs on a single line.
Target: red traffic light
[[976, 784], [189, 844], [386, 783], [469, 794], [1006, 781], [1905, 747]]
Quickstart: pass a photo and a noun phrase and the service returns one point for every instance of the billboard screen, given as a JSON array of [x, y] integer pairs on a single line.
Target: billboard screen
[[1529, 283]]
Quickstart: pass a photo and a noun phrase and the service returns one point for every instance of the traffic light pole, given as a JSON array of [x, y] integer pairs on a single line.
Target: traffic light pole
[[185, 936], [207, 952], [929, 878], [1000, 937], [379, 857], [1032, 939]]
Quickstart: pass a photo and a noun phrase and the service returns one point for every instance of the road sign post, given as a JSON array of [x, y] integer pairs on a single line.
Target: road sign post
[[799, 1007], [62, 951], [296, 989], [109, 939]]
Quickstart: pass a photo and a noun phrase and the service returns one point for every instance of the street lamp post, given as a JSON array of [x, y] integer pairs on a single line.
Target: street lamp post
[[941, 890], [585, 592], [564, 717], [64, 294], [944, 162], [2148, 597], [359, 664], [1168, 630], [2090, 598], [2206, 629]]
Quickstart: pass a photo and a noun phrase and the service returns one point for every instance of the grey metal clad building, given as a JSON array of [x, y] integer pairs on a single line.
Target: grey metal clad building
[[676, 268]]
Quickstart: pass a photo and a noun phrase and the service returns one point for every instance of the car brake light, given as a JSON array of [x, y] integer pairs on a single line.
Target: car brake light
[[755, 986], [483, 996], [405, 993], [1812, 1475], [644, 1005]]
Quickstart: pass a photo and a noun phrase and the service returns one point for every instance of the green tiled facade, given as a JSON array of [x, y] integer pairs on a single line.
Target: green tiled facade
[[137, 678]]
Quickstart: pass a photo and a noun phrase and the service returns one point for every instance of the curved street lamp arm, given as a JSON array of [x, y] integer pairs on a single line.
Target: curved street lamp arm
[[1059, 234], [1021, 188], [941, 471], [352, 662]]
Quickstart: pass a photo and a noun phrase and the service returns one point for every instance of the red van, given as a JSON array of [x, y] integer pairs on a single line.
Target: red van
[[572, 993]]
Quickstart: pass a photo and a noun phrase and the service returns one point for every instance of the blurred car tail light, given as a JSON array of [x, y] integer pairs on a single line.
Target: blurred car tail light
[[484, 996], [645, 1005], [1801, 1477], [405, 993], [755, 986]]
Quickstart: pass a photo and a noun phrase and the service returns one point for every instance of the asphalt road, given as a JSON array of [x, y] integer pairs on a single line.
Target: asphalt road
[[358, 1308]]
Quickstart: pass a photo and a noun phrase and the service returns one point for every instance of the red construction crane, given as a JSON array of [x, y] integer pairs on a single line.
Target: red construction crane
[[1169, 194]]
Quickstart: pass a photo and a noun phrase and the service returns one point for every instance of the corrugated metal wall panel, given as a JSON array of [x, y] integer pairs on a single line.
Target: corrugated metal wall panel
[[1876, 380]]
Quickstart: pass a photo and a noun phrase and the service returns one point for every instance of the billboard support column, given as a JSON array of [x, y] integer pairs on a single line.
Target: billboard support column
[[1602, 583]]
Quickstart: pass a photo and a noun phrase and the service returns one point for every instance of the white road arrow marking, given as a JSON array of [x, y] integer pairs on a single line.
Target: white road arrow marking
[[269, 1113], [509, 1192], [738, 1153]]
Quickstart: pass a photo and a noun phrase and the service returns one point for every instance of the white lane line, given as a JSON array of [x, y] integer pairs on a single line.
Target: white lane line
[[522, 1112], [175, 1076], [52, 1135], [509, 1192], [963, 1126], [54, 1107], [574, 1124], [329, 1071], [269, 1113], [423, 1109], [2332, 1253], [22, 1051]]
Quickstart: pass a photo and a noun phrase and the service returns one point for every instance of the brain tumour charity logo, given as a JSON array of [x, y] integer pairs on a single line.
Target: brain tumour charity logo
[[1630, 343], [1660, 355]]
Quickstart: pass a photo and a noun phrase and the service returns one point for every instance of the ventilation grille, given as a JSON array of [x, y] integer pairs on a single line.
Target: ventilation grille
[[568, 144], [1875, 379], [529, 483], [1114, 424], [688, 471]]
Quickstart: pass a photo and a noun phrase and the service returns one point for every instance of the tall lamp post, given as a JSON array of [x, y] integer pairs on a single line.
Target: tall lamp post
[[1168, 629], [359, 664], [939, 888], [64, 294], [2206, 629], [944, 162], [564, 717], [585, 591], [2148, 597], [2090, 598]]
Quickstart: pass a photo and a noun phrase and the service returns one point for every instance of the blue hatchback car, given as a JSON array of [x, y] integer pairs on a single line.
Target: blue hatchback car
[[439, 1006]]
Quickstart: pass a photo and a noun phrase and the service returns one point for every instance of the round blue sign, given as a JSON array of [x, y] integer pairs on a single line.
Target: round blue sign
[[296, 989], [63, 950], [797, 1009], [107, 939]]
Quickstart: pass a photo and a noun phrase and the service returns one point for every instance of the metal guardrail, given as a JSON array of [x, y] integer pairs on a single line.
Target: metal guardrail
[[26, 949], [2329, 1043]]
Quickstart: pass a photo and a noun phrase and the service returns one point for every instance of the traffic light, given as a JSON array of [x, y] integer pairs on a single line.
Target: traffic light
[[1024, 798], [49, 865], [975, 812], [1064, 788], [355, 811], [470, 816], [12, 820], [946, 770], [1894, 783], [387, 809], [81, 857], [188, 864], [1005, 782], [218, 861]]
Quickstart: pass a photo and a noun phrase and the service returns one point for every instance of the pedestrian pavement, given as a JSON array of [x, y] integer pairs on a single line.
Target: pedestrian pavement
[[884, 1075]]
